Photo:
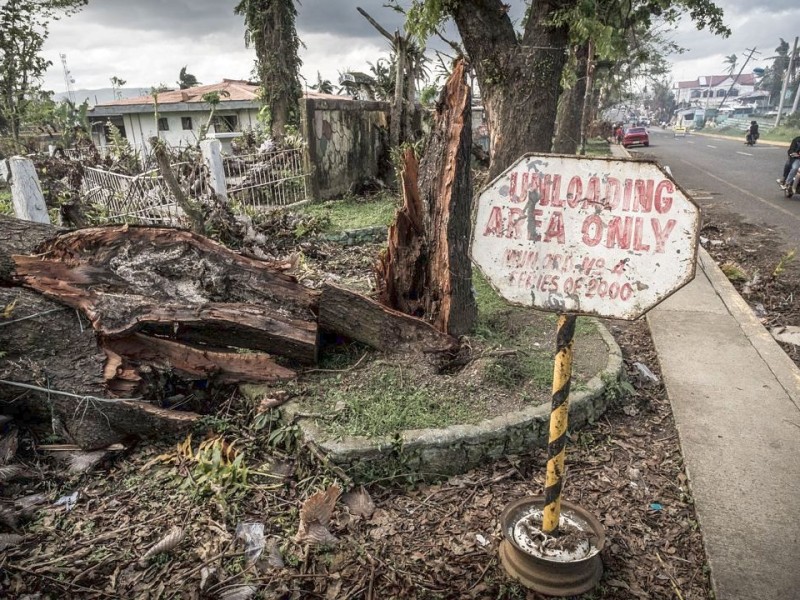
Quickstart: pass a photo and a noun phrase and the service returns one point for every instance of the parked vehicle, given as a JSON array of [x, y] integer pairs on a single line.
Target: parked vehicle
[[635, 136]]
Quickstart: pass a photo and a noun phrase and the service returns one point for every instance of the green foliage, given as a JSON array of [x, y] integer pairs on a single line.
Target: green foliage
[[6, 207], [270, 29], [784, 262], [186, 80], [616, 389], [323, 86], [24, 26], [733, 271]]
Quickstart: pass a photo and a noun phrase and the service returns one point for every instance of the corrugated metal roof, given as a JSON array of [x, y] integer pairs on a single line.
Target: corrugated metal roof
[[230, 90]]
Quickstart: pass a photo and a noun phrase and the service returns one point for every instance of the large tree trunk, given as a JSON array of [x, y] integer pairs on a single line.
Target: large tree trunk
[[426, 271], [568, 127], [520, 79]]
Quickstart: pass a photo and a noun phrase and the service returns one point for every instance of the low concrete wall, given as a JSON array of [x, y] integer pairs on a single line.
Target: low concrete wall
[[430, 453], [347, 143]]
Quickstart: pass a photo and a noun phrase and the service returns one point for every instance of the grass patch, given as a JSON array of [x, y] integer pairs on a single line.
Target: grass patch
[[354, 213], [390, 399], [6, 206], [597, 147], [510, 367]]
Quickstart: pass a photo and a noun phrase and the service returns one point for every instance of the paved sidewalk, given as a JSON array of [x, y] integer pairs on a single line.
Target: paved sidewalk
[[735, 396]]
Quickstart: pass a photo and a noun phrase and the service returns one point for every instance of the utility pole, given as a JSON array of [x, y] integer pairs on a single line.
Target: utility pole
[[786, 83], [733, 83]]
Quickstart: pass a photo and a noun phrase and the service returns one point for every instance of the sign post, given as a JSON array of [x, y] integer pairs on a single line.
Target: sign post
[[579, 236]]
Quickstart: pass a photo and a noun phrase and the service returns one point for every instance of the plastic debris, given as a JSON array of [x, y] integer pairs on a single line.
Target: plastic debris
[[68, 502], [655, 506], [645, 372], [166, 544], [252, 537]]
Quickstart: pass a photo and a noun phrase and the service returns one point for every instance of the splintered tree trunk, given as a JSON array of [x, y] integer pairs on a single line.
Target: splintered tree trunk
[[426, 271]]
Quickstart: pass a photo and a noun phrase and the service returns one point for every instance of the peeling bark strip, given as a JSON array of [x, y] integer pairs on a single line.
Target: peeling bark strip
[[224, 367], [165, 262], [426, 270], [366, 321]]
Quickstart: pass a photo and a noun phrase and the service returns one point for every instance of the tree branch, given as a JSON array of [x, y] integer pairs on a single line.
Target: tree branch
[[194, 215], [375, 24]]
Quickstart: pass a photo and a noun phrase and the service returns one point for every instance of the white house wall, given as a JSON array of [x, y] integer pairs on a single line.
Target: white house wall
[[140, 127]]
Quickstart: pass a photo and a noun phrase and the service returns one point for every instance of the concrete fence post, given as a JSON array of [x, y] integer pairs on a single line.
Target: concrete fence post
[[26, 193], [212, 155]]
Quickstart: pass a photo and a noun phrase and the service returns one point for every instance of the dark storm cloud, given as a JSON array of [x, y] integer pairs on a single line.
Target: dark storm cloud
[[188, 17]]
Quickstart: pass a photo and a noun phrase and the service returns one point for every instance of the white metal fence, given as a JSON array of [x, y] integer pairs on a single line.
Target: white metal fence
[[142, 198], [267, 179], [255, 182]]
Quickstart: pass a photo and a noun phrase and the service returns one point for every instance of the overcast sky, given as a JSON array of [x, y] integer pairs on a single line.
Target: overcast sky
[[146, 42]]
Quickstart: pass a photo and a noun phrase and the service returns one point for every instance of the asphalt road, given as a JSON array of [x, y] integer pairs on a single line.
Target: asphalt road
[[726, 174]]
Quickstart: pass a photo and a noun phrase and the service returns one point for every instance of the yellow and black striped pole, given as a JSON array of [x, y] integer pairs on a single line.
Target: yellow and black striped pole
[[559, 414]]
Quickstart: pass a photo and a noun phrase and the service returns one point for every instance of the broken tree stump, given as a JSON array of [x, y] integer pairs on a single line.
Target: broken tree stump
[[426, 270]]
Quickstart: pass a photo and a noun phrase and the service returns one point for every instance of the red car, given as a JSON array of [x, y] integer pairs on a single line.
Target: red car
[[634, 136]]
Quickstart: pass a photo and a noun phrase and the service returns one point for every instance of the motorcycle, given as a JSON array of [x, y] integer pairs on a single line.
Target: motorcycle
[[791, 190], [794, 188], [751, 139]]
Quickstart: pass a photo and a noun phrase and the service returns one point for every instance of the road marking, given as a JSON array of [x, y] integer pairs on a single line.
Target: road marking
[[688, 142], [710, 146], [744, 153], [743, 191]]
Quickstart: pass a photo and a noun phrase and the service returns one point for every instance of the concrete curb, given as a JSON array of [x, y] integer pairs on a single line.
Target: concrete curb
[[785, 370], [458, 448]]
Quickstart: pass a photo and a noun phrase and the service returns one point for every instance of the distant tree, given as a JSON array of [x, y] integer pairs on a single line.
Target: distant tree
[[116, 85], [186, 80], [772, 81], [731, 61], [212, 99], [323, 86], [24, 27], [270, 29]]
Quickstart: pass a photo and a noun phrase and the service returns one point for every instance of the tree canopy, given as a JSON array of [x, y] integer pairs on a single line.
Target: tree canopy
[[23, 31], [185, 79]]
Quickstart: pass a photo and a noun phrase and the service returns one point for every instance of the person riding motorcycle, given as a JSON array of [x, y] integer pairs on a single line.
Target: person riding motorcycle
[[752, 134], [792, 165]]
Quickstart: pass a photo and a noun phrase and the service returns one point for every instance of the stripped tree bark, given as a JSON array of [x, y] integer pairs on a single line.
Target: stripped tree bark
[[426, 271]]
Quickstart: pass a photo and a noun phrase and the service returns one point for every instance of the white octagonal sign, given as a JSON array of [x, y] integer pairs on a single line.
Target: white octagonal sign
[[595, 236]]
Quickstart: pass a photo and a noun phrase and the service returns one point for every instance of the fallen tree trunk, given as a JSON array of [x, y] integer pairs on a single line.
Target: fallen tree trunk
[[50, 346], [359, 318], [108, 315], [152, 305]]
